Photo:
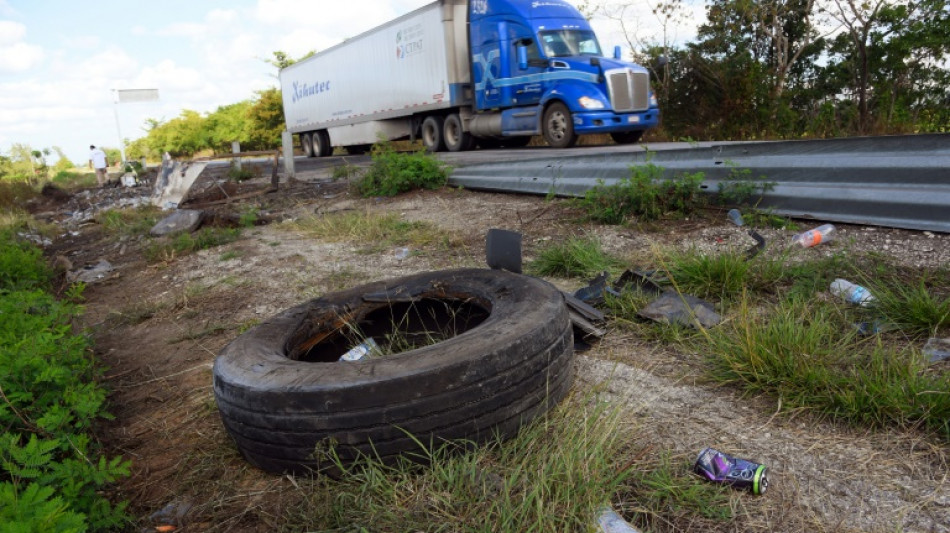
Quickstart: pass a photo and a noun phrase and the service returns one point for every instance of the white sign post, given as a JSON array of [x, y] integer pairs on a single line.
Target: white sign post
[[123, 96]]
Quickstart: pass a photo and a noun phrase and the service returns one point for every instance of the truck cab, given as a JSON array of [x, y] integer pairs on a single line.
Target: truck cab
[[538, 68]]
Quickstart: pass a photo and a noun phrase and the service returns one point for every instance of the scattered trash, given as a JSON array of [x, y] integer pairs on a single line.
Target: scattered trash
[[36, 239], [364, 349], [757, 247], [596, 290], [586, 321], [736, 217], [91, 273], [182, 220], [850, 292], [719, 467], [937, 349], [129, 180], [815, 236], [643, 281], [401, 253], [503, 250], [608, 521], [673, 308], [170, 516], [866, 329]]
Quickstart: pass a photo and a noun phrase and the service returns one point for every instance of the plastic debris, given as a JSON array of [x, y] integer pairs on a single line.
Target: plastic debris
[[757, 247], [401, 253], [673, 308], [815, 236], [719, 467], [367, 348], [608, 521], [736, 217], [937, 349], [851, 292]]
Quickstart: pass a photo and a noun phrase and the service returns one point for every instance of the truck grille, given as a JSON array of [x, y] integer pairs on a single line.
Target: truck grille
[[629, 90]]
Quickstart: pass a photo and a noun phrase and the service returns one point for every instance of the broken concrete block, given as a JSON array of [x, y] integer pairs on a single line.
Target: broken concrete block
[[91, 273], [673, 308], [180, 221]]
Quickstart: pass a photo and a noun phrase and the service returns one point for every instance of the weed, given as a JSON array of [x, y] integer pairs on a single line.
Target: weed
[[550, 477], [916, 308], [395, 172], [577, 256], [136, 313], [644, 194], [765, 218], [14, 194], [241, 173], [345, 172], [668, 487], [806, 354], [229, 255], [167, 249], [720, 276], [130, 221], [249, 217], [739, 187], [379, 230]]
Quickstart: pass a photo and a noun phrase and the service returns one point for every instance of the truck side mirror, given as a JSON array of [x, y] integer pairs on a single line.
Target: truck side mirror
[[662, 61], [522, 56], [617, 52]]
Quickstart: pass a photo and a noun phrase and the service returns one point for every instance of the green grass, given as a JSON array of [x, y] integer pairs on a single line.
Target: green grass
[[921, 307], [551, 477], [168, 248], [574, 257], [807, 354], [129, 221], [644, 195], [379, 230]]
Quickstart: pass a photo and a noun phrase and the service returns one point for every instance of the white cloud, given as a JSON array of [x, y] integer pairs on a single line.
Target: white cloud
[[11, 32]]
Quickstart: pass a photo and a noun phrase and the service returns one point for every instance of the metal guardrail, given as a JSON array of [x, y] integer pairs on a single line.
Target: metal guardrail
[[895, 181]]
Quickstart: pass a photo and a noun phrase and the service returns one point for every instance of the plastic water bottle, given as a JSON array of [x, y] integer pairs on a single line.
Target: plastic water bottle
[[850, 292], [815, 236]]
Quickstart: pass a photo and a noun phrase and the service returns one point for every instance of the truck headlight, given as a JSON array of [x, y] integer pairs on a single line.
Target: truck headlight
[[653, 101], [590, 103]]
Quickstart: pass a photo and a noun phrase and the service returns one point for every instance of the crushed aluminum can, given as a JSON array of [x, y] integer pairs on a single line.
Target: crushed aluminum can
[[364, 349], [719, 467]]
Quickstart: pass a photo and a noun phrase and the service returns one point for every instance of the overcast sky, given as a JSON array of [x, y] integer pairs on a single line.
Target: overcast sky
[[61, 59]]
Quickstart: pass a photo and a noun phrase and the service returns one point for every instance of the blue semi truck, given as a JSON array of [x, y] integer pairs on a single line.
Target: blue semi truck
[[464, 73]]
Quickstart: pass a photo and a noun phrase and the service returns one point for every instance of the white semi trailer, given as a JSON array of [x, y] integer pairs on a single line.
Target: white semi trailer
[[457, 72]]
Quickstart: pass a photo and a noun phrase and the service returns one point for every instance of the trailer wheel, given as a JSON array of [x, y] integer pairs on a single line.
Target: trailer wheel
[[432, 134], [456, 139], [508, 357], [321, 144], [626, 137], [305, 144], [558, 126]]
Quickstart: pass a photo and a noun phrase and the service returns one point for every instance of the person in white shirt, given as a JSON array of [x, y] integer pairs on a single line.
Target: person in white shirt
[[98, 161]]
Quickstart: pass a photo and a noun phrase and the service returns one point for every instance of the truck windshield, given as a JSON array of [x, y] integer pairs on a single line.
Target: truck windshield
[[564, 43]]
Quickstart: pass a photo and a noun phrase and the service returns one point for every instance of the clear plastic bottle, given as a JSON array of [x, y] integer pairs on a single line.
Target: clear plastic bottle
[[810, 238], [850, 292]]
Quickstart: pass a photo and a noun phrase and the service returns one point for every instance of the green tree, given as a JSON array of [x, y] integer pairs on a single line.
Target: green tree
[[266, 120], [227, 124]]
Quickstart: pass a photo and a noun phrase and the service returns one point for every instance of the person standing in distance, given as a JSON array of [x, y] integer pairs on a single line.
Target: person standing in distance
[[97, 160]]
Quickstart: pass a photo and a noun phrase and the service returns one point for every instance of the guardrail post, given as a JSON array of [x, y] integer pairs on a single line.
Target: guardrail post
[[287, 139], [236, 149]]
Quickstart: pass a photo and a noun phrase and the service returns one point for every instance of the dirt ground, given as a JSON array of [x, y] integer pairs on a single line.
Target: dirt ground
[[159, 326]]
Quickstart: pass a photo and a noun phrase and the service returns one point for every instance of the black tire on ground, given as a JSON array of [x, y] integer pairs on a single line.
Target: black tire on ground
[[626, 137], [432, 137], [305, 144], [321, 144], [558, 126], [510, 362], [456, 140]]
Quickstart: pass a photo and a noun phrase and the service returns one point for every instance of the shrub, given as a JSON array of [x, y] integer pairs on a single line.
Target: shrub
[[578, 256], [644, 195], [395, 172], [52, 473], [740, 188]]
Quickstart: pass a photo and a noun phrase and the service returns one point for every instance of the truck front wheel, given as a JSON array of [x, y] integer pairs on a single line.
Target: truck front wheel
[[558, 126], [432, 134], [456, 139]]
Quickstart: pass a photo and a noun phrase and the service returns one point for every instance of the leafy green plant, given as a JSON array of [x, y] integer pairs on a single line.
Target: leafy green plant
[[644, 194], [375, 229], [739, 187], [395, 172], [52, 471], [166, 249], [130, 221], [345, 171], [577, 256], [249, 217], [240, 173]]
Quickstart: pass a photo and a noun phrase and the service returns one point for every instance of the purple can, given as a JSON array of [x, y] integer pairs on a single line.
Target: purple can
[[719, 467]]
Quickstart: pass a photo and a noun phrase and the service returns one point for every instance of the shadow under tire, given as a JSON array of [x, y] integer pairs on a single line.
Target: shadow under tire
[[279, 405]]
